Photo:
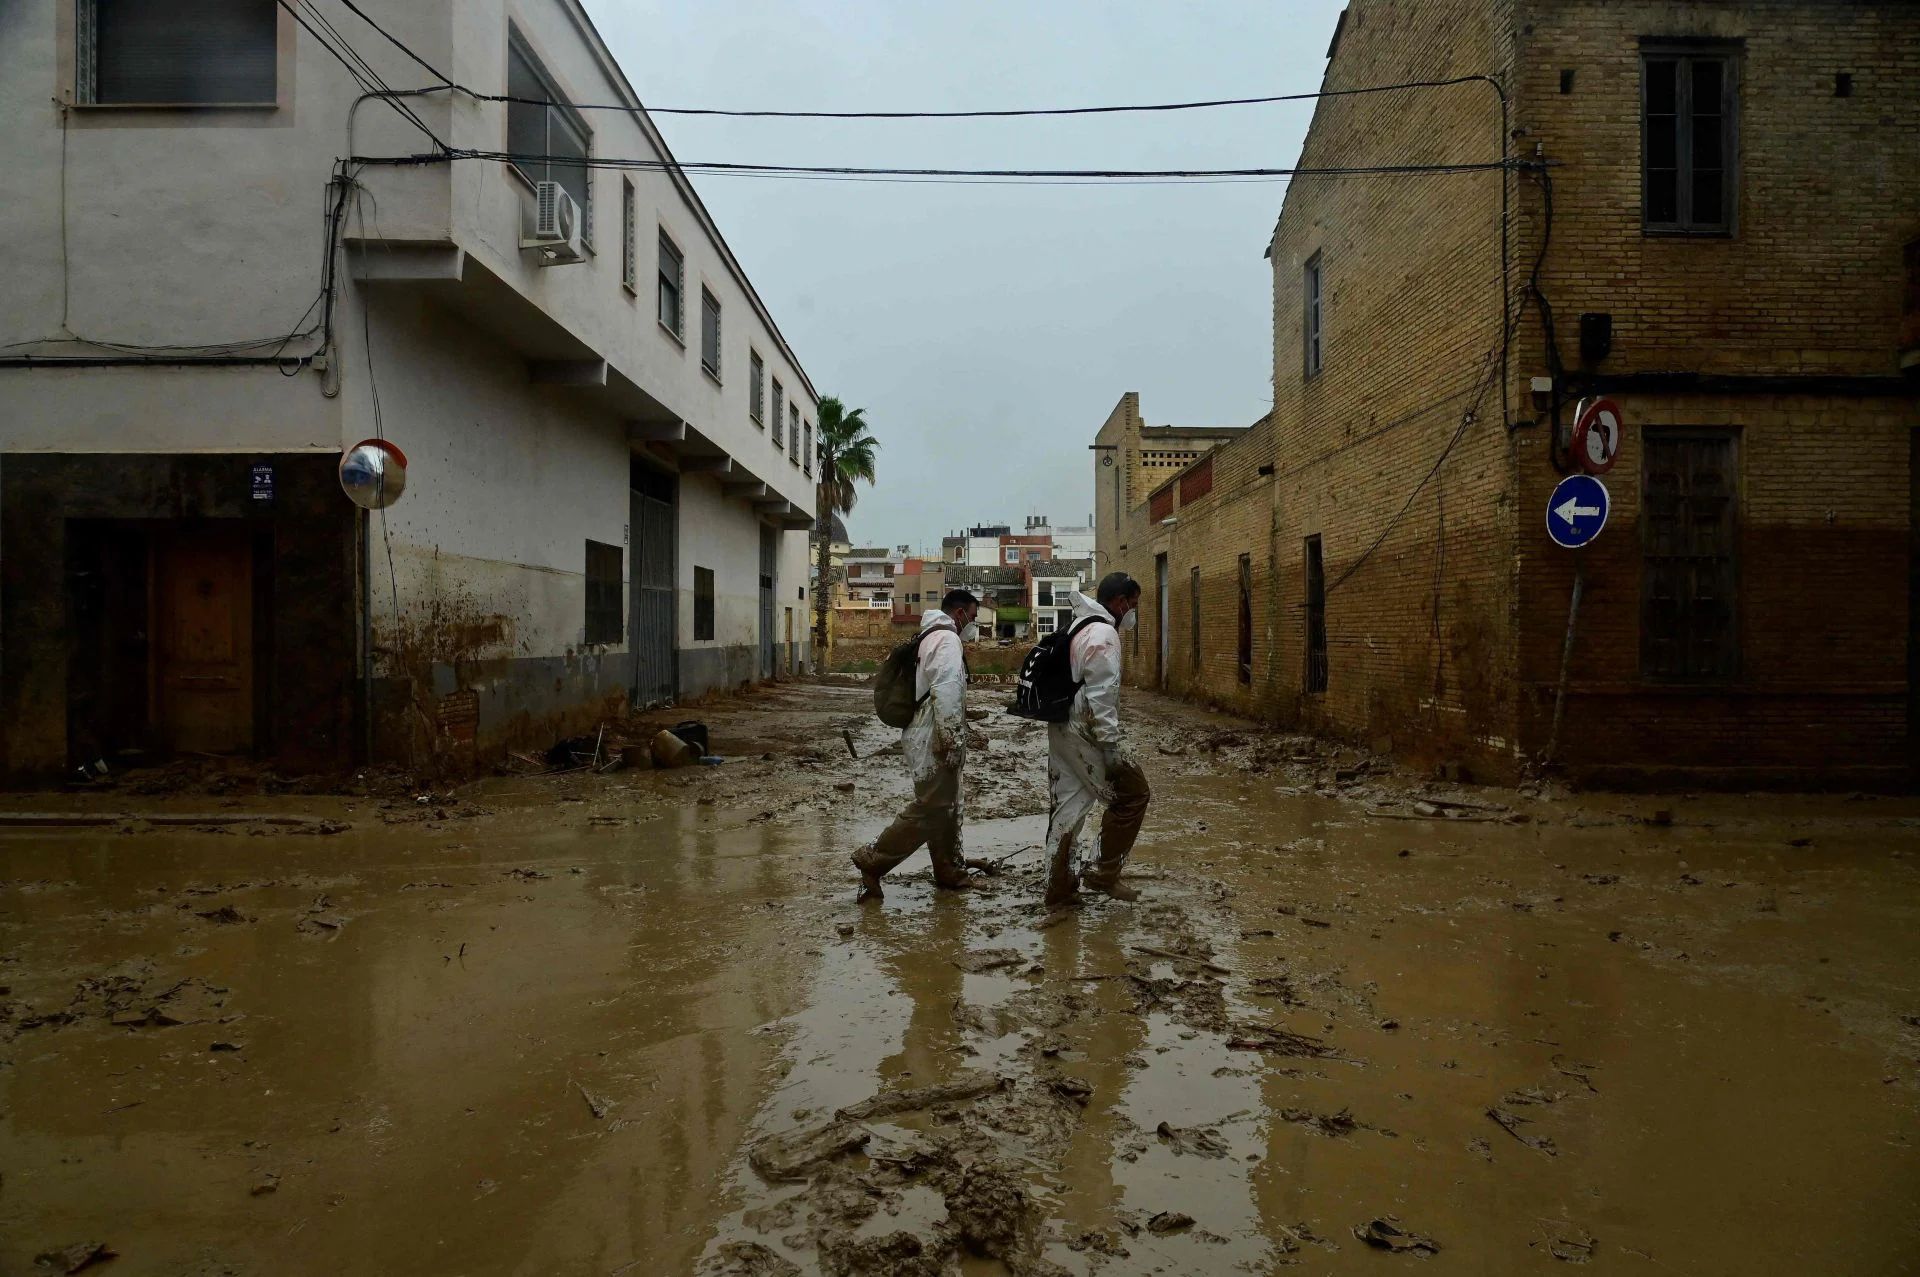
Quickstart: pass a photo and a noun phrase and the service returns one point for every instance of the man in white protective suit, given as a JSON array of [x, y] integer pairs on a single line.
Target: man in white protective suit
[[1087, 756], [935, 747]]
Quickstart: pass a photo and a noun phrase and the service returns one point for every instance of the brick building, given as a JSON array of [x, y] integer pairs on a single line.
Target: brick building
[[1709, 215]]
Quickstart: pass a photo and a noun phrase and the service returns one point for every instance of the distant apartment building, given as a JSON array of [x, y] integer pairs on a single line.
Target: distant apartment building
[[610, 474], [871, 573], [1051, 587], [1710, 216], [921, 584]]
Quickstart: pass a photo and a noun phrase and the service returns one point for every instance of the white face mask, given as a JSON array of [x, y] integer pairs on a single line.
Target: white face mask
[[1128, 621], [971, 633]]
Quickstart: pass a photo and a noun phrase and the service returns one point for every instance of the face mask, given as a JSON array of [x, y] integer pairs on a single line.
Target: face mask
[[1128, 621], [971, 633]]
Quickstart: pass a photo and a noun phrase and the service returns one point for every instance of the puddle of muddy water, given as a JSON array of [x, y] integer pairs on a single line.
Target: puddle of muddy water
[[550, 1040]]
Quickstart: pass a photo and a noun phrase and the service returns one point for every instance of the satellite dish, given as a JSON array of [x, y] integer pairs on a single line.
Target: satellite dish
[[373, 474]]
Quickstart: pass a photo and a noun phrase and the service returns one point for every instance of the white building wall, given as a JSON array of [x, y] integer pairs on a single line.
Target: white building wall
[[195, 227]]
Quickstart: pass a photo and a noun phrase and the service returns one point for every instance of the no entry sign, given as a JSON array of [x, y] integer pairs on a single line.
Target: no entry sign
[[1596, 434], [1577, 510]]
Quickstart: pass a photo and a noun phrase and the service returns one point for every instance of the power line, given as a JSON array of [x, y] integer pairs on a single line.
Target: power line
[[525, 160], [359, 68]]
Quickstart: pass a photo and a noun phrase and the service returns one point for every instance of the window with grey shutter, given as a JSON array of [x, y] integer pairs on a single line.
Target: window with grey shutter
[[629, 250], [181, 53], [703, 627], [605, 573], [756, 388], [709, 332], [806, 456], [672, 277], [793, 429], [779, 398]]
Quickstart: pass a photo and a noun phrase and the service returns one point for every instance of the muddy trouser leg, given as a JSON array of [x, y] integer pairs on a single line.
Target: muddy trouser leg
[[1071, 800], [1120, 826], [932, 819]]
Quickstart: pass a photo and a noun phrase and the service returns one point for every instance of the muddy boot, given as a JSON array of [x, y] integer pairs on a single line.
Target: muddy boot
[[1106, 881], [1063, 886], [869, 875]]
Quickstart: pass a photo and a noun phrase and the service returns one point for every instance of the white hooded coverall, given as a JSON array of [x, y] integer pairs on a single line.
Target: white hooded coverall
[[934, 745], [1087, 756]]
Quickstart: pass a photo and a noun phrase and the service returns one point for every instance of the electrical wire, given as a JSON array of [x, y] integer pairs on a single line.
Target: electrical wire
[[525, 160], [358, 67]]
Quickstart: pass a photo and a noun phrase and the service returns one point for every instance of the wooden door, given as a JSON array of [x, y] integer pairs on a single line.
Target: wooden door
[[202, 582]]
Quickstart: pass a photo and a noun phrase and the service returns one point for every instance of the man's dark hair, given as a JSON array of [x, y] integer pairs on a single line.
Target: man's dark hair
[[958, 599], [1116, 585]]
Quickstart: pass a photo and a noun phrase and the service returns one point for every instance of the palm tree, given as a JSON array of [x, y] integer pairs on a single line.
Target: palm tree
[[846, 457]]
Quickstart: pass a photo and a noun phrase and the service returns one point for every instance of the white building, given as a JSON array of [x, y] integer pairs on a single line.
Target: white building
[[610, 458], [871, 573], [1052, 587]]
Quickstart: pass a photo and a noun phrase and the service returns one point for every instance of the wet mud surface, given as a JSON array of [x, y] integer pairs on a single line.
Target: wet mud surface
[[636, 1023]]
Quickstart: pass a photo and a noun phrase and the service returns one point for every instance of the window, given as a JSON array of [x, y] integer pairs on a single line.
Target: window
[[793, 426], [605, 569], [1245, 645], [1044, 594], [549, 142], [1310, 318], [1045, 624], [1316, 619], [1688, 575], [756, 389], [672, 278], [702, 603], [779, 398], [1012, 555], [710, 332], [629, 250], [1193, 611], [1687, 138], [806, 458], [186, 53]]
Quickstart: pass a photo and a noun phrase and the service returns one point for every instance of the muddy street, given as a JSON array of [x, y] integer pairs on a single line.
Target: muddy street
[[636, 1023]]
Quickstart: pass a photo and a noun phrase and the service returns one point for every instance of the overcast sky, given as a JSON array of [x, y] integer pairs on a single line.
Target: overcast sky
[[987, 330]]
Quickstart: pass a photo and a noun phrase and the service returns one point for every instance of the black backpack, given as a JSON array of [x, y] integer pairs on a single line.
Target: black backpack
[[1046, 688], [893, 698]]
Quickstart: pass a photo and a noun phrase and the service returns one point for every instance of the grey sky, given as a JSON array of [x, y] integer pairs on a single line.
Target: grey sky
[[987, 330]]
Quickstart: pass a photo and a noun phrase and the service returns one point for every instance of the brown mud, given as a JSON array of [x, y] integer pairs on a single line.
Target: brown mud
[[635, 1023]]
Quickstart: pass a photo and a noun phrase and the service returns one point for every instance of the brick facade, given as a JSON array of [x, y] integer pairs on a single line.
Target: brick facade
[[1426, 482]]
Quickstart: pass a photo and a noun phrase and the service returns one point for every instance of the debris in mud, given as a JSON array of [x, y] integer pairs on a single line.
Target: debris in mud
[[226, 1046], [1578, 1250], [965, 1086], [269, 1182], [225, 915], [747, 1259], [74, 1258], [992, 1210], [526, 875], [1280, 1042], [1331, 1125], [898, 1254], [1196, 1141], [793, 1154], [1075, 1089], [1173, 955], [1385, 1233], [980, 960], [595, 1105], [1511, 1124], [1169, 1221]]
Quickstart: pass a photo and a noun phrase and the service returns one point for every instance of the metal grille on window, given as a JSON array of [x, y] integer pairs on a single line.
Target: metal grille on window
[[606, 569], [629, 266], [1310, 320], [756, 388], [779, 399], [1689, 573], [793, 433], [1316, 618], [1245, 644], [806, 456]]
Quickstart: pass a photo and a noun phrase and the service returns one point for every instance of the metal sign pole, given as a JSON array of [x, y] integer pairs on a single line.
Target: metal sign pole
[[1566, 657]]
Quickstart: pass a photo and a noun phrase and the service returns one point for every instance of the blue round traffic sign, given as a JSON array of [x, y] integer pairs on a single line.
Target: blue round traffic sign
[[1577, 510]]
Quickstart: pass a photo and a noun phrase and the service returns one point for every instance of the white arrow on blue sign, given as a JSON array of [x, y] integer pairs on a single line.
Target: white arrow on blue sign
[[1577, 510]]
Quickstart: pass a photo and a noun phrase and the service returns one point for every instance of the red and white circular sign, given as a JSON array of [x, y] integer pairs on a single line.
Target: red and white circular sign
[[1597, 426]]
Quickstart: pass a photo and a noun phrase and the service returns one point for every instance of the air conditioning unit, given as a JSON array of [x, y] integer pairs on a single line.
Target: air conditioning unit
[[556, 226]]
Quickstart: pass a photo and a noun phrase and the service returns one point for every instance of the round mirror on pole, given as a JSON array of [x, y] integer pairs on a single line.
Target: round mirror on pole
[[373, 474]]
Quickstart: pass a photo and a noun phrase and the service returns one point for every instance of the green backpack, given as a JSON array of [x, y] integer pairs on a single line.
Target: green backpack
[[893, 698]]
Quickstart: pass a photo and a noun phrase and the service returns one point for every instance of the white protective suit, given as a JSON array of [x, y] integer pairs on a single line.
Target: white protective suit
[[1080, 749], [940, 685]]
